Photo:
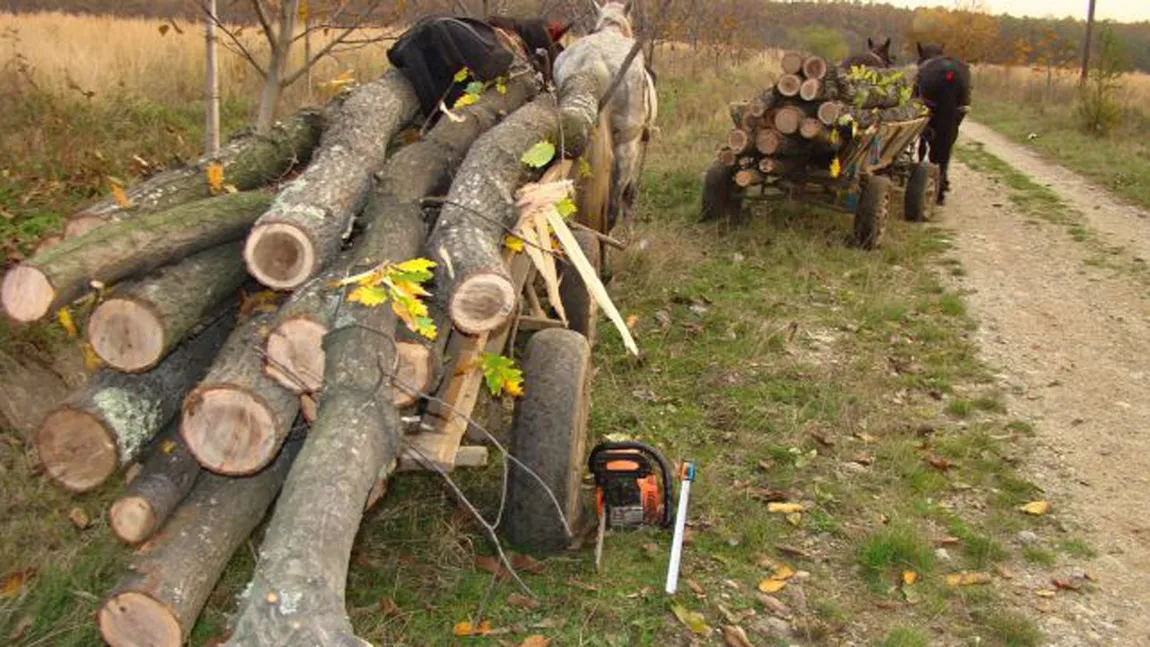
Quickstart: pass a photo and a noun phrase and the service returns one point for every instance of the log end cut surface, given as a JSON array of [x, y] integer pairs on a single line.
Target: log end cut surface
[[77, 451], [414, 373], [132, 519], [295, 355], [126, 334], [135, 620], [482, 303], [280, 255], [27, 293], [229, 431]]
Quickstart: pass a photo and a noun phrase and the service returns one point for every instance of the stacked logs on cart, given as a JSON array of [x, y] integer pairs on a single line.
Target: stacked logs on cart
[[801, 123], [219, 393]]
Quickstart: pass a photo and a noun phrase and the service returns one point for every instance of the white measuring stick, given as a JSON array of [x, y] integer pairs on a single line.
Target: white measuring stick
[[680, 528]]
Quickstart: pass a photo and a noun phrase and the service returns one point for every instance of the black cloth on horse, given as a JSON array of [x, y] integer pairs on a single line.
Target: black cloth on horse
[[943, 84], [436, 48]]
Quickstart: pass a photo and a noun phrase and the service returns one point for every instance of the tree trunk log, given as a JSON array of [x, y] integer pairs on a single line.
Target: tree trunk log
[[141, 322], [829, 112], [788, 119], [303, 230], [772, 142], [761, 104], [792, 62], [815, 67], [738, 110], [237, 419], [471, 277], [106, 424], [174, 574], [789, 85], [726, 156], [811, 89], [748, 177], [250, 161], [164, 480], [739, 141], [131, 247], [295, 349]]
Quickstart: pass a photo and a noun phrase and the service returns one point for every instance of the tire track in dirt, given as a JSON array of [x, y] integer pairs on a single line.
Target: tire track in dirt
[[1073, 346]]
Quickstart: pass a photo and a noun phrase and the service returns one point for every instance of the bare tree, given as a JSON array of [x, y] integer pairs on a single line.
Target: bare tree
[[212, 127], [1086, 42]]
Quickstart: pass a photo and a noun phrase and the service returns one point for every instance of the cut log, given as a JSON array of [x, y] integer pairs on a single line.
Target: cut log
[[471, 278], [813, 129], [164, 481], [739, 140], [748, 177], [760, 105], [106, 424], [303, 230], [249, 161], [141, 322], [829, 112], [811, 89], [123, 249], [173, 575], [295, 350], [792, 62], [788, 119], [772, 142], [419, 363], [237, 419], [789, 85], [726, 156], [815, 67]]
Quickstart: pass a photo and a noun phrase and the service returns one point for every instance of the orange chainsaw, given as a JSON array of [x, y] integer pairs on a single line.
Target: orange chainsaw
[[628, 492]]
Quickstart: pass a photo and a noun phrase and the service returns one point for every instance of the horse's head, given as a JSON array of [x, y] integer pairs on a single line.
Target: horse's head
[[881, 50], [615, 14], [927, 52]]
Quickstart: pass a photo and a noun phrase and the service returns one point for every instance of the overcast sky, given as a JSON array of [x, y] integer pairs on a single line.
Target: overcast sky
[[1123, 10]]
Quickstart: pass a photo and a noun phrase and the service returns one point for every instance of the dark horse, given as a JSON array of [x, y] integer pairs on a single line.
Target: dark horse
[[877, 55], [943, 84]]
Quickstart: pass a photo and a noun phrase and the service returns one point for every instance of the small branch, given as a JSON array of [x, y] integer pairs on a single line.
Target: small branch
[[240, 49], [265, 25]]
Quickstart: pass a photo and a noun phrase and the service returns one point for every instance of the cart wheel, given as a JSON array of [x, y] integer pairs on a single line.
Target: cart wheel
[[921, 192], [549, 435], [720, 199], [581, 308], [872, 211]]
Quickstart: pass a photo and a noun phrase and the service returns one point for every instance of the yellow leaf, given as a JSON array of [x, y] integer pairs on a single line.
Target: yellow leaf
[[11, 585], [691, 619], [783, 572], [230, 188], [513, 389], [465, 629], [908, 577], [734, 636], [535, 641], [772, 585], [513, 243], [785, 508], [836, 168], [120, 197], [462, 75], [1036, 508], [168, 446], [345, 78], [584, 168], [967, 579], [465, 100], [303, 11], [92, 361], [794, 518], [368, 295], [410, 289], [215, 174], [632, 321], [64, 316]]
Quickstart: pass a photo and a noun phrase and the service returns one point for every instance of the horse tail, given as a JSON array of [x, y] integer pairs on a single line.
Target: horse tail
[[596, 189]]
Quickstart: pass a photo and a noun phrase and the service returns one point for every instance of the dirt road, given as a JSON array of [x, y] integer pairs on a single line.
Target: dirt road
[[1072, 342]]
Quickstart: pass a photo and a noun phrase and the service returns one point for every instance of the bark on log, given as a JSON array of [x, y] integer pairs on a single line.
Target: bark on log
[[815, 67], [739, 141], [295, 350], [249, 160], [173, 575], [127, 248], [726, 156], [772, 142], [781, 166], [141, 322], [829, 112], [107, 423], [738, 110], [792, 62], [237, 419], [303, 230], [788, 119], [789, 85], [471, 278], [748, 177], [164, 481]]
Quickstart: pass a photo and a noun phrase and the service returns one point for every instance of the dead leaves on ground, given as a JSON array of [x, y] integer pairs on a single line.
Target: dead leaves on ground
[[521, 564], [692, 620], [734, 636], [778, 579], [967, 579], [1036, 508]]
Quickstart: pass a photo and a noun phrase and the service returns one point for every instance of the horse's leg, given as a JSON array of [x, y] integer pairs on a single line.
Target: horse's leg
[[623, 178]]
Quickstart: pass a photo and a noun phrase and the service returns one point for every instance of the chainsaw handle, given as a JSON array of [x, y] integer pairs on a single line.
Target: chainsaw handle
[[650, 452]]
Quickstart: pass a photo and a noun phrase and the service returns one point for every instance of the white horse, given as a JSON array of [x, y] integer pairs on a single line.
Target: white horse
[[630, 114]]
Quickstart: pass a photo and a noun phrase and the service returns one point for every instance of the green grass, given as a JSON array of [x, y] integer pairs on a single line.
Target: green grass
[[1121, 163], [1014, 630], [1076, 547], [886, 553], [1039, 555], [905, 637]]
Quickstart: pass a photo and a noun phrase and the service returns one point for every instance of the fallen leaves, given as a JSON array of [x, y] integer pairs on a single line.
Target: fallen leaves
[[1036, 508], [937, 462], [909, 577], [784, 508], [79, 518], [118, 194], [967, 579], [92, 361], [691, 619], [522, 602], [464, 628], [214, 172], [526, 564], [734, 636], [64, 316], [778, 579], [13, 583], [535, 641]]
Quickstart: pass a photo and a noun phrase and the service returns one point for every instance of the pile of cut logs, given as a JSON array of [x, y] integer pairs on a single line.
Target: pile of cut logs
[[800, 124], [217, 393]]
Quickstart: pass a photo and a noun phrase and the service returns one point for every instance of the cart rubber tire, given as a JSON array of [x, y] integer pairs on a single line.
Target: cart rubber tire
[[720, 199], [873, 211], [921, 192], [581, 308], [549, 435]]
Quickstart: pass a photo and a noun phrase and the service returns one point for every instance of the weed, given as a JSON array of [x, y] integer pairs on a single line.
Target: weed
[[960, 408], [1014, 629], [1039, 555], [1076, 547], [891, 550], [905, 637]]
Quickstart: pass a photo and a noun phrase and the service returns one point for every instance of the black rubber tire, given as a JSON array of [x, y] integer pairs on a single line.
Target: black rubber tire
[[549, 435], [581, 308], [872, 212], [720, 198], [921, 192]]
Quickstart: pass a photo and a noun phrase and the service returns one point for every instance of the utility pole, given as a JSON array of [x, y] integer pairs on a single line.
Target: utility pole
[[212, 92], [1086, 43]]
